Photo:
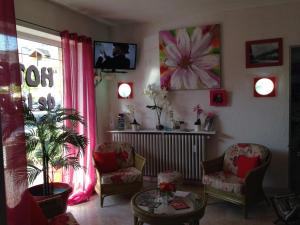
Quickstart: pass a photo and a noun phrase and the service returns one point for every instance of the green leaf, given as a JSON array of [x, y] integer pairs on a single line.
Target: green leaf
[[48, 139], [190, 30], [216, 70], [215, 51], [33, 173]]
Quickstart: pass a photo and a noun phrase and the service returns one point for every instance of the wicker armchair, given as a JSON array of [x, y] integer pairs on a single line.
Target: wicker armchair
[[127, 179], [221, 181]]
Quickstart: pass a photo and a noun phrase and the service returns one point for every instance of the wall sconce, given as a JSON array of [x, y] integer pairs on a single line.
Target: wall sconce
[[265, 87], [125, 90]]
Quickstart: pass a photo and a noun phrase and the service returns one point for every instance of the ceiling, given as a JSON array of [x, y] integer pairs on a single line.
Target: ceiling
[[114, 12]]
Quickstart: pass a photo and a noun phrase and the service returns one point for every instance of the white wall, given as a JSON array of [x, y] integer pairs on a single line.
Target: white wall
[[47, 14], [246, 119]]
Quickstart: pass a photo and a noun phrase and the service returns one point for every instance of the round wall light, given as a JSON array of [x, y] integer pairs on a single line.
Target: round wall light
[[125, 90], [264, 87]]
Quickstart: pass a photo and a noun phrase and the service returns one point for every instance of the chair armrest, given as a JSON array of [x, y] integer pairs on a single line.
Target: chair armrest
[[214, 165], [254, 179], [255, 176], [97, 169], [139, 161]]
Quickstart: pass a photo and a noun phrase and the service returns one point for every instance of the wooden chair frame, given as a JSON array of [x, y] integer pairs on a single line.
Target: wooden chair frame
[[104, 190], [253, 190]]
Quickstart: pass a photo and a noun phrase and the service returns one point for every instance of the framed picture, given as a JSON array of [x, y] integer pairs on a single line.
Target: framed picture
[[218, 97], [190, 58], [267, 52]]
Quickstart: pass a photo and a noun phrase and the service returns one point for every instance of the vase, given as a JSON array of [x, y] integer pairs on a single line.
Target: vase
[[197, 127], [208, 124], [166, 197], [134, 127], [159, 127]]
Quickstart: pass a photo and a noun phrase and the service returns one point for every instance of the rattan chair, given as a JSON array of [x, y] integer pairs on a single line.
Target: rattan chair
[[221, 181], [134, 165]]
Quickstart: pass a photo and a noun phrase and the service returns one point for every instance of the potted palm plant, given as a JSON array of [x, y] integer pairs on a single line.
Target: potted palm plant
[[48, 144]]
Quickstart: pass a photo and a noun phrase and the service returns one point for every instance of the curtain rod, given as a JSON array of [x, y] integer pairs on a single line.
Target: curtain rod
[[39, 25]]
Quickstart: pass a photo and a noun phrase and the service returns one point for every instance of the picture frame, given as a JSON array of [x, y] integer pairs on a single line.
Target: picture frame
[[218, 97], [263, 53], [190, 58]]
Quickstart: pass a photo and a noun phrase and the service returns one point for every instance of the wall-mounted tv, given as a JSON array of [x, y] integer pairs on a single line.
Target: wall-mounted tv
[[110, 56]]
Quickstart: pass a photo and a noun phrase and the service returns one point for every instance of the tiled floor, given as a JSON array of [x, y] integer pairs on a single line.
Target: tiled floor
[[117, 211]]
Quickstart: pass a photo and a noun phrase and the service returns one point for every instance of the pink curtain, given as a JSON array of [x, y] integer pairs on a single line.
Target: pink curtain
[[79, 94], [14, 208]]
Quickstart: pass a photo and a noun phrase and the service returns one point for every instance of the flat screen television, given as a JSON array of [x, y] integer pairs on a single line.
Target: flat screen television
[[111, 56]]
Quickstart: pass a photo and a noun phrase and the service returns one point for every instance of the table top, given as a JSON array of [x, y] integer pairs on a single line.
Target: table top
[[150, 203]]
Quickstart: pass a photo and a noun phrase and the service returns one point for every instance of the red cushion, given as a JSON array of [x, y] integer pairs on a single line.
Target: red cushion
[[106, 161], [246, 164]]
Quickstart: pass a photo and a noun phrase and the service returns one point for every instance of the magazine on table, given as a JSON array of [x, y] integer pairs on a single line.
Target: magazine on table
[[179, 203]]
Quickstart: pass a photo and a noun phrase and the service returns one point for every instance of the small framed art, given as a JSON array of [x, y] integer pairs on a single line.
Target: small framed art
[[261, 53], [218, 97]]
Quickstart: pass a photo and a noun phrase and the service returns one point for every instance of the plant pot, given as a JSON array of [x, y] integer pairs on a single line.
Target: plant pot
[[55, 204]]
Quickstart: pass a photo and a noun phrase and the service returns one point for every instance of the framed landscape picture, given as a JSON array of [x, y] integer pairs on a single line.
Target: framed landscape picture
[[261, 53], [190, 58]]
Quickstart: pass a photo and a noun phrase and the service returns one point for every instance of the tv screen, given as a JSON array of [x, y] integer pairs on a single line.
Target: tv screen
[[114, 55]]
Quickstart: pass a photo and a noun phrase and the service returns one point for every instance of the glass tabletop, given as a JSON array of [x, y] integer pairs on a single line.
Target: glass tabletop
[[154, 202]]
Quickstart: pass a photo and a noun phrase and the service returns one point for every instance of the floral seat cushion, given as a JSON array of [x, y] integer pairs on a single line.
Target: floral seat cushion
[[224, 181], [124, 153], [249, 150], [121, 176]]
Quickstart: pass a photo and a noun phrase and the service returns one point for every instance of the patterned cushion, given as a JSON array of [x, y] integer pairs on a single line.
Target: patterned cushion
[[121, 176], [64, 219], [249, 150], [224, 181], [124, 152]]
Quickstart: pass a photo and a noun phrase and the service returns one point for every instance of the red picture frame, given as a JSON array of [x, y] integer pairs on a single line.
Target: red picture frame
[[261, 53], [218, 97]]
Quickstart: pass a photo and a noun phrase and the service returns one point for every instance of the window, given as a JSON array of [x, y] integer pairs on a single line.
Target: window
[[36, 50], [41, 54]]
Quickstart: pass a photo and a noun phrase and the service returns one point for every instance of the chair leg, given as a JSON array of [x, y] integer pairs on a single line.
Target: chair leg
[[101, 201], [267, 200], [245, 212]]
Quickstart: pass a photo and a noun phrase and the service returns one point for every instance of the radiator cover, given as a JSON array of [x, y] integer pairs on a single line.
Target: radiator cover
[[180, 151]]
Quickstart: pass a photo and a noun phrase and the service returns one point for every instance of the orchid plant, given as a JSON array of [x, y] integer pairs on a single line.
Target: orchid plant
[[160, 101], [198, 110], [131, 110]]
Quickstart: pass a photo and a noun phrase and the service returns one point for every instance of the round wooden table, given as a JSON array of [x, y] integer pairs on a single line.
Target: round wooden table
[[148, 207]]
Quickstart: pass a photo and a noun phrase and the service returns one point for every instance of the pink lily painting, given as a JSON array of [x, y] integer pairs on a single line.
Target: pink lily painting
[[190, 58]]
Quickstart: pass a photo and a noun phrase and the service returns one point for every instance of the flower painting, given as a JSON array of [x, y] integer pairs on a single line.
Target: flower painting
[[190, 58]]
